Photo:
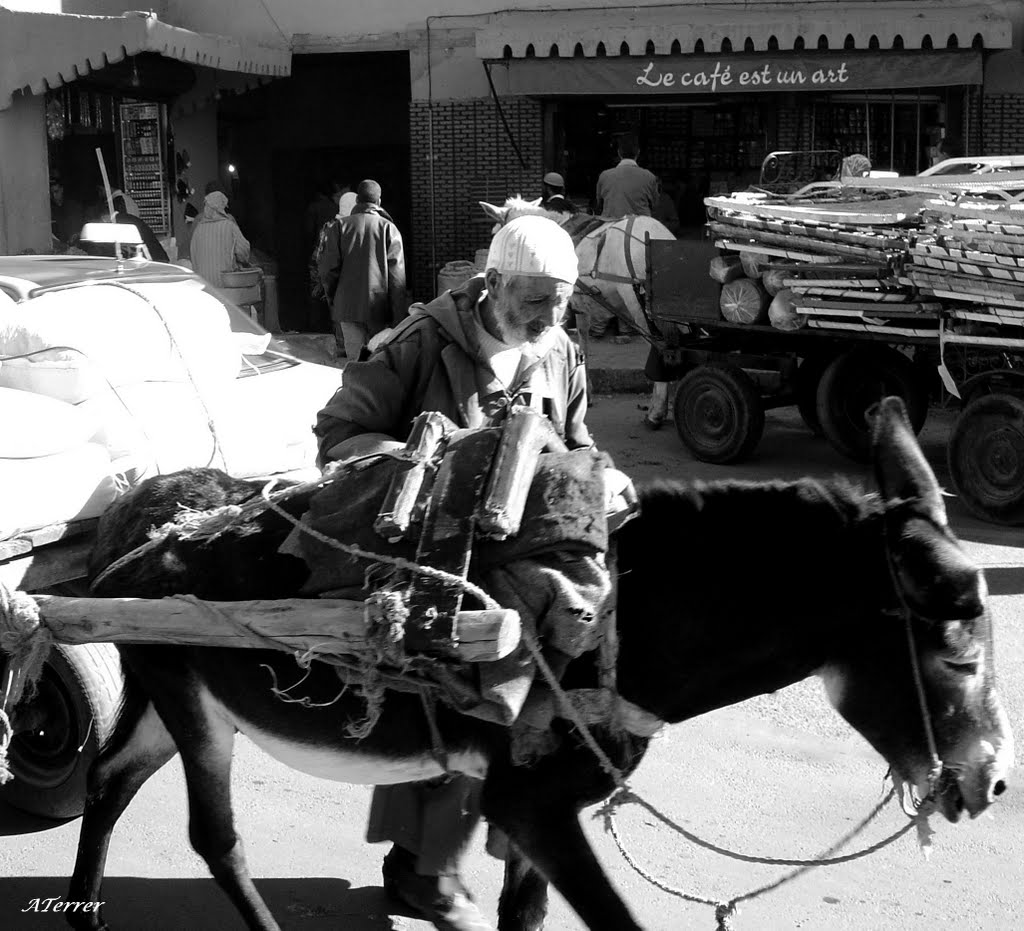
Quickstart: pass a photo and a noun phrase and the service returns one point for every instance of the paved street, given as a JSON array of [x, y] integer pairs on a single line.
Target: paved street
[[778, 776]]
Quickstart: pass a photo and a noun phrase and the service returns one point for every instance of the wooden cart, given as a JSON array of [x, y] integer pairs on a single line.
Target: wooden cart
[[731, 373]]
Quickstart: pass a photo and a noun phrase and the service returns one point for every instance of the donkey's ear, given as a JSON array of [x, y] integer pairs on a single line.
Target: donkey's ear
[[535, 203], [901, 470], [497, 214]]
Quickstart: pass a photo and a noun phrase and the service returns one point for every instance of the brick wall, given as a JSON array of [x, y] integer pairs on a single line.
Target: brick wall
[[473, 160], [1002, 128]]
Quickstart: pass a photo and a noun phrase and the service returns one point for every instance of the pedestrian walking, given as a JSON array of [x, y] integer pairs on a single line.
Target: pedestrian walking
[[362, 270], [627, 189]]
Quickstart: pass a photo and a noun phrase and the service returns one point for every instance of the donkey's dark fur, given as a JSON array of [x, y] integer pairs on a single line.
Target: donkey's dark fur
[[726, 591]]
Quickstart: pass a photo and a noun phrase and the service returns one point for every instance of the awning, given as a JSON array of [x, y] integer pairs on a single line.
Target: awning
[[823, 72], [713, 28], [44, 50]]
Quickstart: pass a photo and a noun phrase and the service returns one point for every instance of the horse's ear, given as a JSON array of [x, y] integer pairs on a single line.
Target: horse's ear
[[900, 467], [497, 214]]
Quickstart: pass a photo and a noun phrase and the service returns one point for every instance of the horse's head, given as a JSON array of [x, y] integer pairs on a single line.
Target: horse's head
[[516, 206], [941, 614]]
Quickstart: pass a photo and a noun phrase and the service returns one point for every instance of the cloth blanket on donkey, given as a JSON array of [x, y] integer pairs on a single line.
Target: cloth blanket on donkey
[[552, 572]]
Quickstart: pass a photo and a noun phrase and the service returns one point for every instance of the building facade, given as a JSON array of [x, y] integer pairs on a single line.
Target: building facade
[[448, 106]]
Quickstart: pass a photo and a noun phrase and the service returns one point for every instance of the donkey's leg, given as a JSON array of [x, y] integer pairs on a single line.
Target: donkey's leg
[[206, 742], [524, 894], [544, 824], [139, 746]]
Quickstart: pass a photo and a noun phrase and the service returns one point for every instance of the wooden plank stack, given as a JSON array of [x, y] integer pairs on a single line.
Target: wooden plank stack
[[970, 256], [829, 265]]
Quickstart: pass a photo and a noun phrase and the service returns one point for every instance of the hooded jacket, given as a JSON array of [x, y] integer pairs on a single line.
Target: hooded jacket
[[362, 268], [433, 362], [217, 244]]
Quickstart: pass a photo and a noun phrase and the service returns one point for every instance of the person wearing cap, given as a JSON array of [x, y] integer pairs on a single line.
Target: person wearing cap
[[471, 354], [362, 270], [553, 194]]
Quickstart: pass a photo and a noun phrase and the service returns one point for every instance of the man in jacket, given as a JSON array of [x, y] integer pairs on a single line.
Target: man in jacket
[[471, 354], [217, 244], [362, 269], [627, 189]]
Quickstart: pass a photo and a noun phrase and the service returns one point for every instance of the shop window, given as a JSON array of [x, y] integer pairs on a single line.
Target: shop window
[[926, 42], [850, 42], [798, 44], [822, 43], [624, 48], [897, 41], [726, 45], [578, 51], [698, 47], [773, 44], [748, 45], [977, 42], [873, 43], [600, 53], [649, 50], [953, 41]]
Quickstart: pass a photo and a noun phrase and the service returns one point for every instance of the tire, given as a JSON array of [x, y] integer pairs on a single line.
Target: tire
[[853, 383], [72, 715], [808, 376], [718, 412], [986, 458]]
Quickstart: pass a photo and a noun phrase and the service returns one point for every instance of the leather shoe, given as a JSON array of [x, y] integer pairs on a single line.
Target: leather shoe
[[442, 900]]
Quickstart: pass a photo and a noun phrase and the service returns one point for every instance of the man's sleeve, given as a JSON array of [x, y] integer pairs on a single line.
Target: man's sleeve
[[329, 265], [396, 276], [373, 398], [576, 433], [599, 196]]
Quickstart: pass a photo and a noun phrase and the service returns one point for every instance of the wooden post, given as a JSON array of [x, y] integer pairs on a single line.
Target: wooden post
[[429, 430], [319, 624], [524, 435], [447, 539]]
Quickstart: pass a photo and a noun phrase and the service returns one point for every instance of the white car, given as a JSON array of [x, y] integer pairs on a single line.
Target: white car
[[111, 371]]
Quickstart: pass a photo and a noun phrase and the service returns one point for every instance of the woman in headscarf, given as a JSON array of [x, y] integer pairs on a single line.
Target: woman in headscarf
[[217, 244]]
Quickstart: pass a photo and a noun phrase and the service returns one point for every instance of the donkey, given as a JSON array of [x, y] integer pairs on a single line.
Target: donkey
[[613, 261], [690, 640]]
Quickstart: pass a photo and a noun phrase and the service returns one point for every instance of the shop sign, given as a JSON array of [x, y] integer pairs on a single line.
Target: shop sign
[[753, 73]]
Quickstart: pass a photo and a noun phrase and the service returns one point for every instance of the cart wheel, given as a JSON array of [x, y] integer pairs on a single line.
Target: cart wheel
[[719, 415], [60, 730], [986, 458], [856, 380], [808, 376]]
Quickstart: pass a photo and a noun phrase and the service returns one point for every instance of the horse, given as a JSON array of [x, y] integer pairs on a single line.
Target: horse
[[613, 263], [874, 567]]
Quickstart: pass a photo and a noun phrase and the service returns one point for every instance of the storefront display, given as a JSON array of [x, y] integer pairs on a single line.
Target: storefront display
[[143, 168]]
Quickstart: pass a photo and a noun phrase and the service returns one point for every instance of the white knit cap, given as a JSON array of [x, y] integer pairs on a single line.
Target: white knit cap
[[536, 247]]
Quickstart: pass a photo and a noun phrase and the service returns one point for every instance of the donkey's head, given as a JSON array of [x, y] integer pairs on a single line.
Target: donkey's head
[[921, 690], [516, 206]]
